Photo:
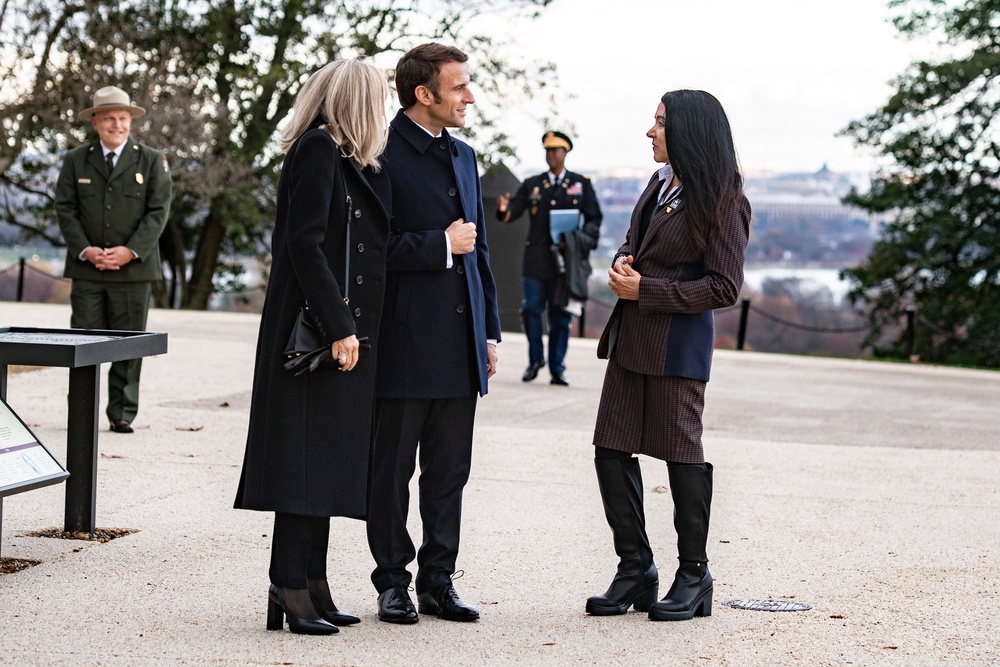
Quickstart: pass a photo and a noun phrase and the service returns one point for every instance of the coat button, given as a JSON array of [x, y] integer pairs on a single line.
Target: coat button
[[111, 188], [357, 213], [361, 247], [460, 269], [357, 312], [444, 146], [575, 200], [452, 192], [460, 309], [359, 280], [108, 207]]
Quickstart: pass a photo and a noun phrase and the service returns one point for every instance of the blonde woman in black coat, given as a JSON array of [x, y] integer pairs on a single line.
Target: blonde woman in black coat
[[309, 437]]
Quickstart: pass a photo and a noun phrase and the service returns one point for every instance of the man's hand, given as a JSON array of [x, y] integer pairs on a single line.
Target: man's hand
[[108, 259], [117, 257], [95, 256], [503, 201], [493, 359], [462, 236]]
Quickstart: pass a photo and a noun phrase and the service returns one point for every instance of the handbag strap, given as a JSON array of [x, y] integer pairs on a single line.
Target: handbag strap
[[347, 241]]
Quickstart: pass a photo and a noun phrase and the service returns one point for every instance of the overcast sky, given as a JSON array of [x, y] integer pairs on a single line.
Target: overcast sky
[[790, 73]]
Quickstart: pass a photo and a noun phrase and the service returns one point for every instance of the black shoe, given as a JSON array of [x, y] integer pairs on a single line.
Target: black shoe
[[445, 603], [532, 371], [559, 379], [331, 614], [121, 426], [690, 595], [395, 606], [636, 583], [277, 611]]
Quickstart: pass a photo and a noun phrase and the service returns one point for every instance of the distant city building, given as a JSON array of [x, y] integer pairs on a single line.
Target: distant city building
[[799, 218]]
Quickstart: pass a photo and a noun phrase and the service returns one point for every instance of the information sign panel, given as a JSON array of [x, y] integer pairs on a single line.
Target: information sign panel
[[25, 463]]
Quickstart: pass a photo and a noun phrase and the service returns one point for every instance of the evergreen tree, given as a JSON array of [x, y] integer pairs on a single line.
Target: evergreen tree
[[940, 189]]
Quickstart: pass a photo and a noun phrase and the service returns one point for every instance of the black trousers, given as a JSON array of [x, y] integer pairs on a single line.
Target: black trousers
[[443, 429], [298, 549]]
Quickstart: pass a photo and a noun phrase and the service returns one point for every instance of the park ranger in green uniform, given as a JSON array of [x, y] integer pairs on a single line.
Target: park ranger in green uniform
[[112, 198]]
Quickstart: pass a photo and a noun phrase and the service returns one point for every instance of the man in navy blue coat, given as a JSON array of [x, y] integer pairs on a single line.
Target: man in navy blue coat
[[437, 342]]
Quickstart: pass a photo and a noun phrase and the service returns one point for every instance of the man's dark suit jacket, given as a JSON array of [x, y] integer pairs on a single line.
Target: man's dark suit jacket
[[436, 320], [538, 196]]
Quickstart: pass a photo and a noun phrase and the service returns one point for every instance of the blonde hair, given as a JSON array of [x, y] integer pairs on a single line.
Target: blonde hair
[[350, 95]]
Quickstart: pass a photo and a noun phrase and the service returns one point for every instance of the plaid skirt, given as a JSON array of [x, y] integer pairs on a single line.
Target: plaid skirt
[[650, 414]]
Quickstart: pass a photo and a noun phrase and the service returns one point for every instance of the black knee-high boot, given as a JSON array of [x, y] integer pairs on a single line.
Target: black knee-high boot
[[691, 593], [636, 583]]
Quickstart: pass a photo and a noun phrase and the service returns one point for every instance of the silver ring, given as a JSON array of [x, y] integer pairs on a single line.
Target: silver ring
[[341, 357]]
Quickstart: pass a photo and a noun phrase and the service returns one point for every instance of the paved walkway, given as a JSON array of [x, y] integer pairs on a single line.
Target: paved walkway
[[866, 490]]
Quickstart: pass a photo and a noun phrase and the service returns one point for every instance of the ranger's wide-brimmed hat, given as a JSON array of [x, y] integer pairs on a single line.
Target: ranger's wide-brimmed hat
[[109, 98]]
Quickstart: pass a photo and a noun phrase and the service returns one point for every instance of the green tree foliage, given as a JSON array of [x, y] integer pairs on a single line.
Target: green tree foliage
[[219, 76], [940, 187]]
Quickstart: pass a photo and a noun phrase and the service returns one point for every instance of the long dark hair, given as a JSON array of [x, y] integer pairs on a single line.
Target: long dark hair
[[700, 146]]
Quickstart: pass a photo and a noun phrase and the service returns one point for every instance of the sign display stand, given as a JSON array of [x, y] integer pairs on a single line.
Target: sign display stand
[[82, 351], [25, 463]]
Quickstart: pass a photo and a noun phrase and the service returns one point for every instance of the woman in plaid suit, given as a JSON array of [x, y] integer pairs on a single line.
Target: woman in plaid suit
[[682, 258]]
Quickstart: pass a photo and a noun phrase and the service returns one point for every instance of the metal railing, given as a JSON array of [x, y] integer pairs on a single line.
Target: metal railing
[[22, 267]]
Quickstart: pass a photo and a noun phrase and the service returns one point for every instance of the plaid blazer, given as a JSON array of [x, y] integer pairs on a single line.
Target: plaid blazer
[[670, 330]]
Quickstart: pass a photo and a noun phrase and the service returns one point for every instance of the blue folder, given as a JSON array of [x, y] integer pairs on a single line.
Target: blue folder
[[564, 220]]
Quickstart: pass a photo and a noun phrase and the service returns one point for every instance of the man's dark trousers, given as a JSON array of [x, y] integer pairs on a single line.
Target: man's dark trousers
[[443, 428], [121, 306], [538, 294]]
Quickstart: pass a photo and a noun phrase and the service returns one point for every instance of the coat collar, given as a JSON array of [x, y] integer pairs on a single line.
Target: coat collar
[[415, 135], [128, 156]]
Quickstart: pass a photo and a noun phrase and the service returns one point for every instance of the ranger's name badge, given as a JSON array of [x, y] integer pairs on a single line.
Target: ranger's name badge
[[138, 179]]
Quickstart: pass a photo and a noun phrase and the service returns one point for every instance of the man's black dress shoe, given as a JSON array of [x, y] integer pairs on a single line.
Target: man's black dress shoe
[[532, 371], [445, 603], [120, 426], [559, 379], [395, 606]]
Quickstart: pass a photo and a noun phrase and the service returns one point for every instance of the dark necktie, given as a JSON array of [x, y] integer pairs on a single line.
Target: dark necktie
[[110, 158]]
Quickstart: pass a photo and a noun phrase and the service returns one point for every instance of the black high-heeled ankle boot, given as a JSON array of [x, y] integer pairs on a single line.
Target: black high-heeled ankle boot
[[319, 593], [636, 582], [277, 610], [692, 590]]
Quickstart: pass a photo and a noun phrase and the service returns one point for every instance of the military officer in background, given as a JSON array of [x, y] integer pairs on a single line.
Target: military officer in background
[[554, 274], [112, 200]]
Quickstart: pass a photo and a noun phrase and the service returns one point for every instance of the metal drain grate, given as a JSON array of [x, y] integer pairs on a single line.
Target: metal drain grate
[[768, 605]]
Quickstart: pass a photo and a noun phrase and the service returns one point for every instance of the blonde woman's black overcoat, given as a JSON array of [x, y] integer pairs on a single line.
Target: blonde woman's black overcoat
[[309, 436]]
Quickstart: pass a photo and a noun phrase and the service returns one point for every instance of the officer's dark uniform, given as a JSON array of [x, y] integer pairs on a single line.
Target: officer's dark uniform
[[127, 208], [544, 266]]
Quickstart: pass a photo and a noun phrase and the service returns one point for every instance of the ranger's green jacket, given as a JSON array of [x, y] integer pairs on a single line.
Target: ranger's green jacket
[[129, 208]]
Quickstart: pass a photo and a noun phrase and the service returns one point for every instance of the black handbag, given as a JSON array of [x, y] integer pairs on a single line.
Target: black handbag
[[305, 349]]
